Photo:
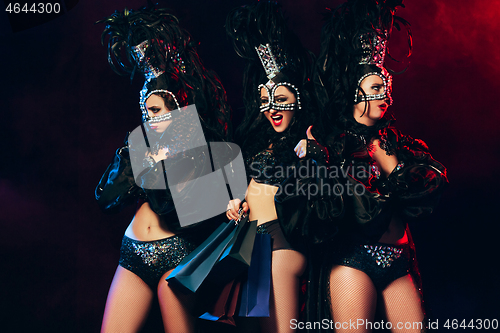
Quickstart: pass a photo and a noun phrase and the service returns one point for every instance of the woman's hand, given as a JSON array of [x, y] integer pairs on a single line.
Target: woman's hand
[[233, 207], [386, 162], [161, 155], [301, 147]]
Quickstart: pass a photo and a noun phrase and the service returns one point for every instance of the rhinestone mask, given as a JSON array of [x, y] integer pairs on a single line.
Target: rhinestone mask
[[271, 90], [386, 95], [142, 102]]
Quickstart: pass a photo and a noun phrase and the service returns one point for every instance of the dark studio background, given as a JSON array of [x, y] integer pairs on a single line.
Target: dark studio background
[[64, 113]]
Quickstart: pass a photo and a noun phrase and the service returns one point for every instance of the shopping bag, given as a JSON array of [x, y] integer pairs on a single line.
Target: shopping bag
[[241, 250], [195, 267], [237, 256], [256, 289], [224, 308]]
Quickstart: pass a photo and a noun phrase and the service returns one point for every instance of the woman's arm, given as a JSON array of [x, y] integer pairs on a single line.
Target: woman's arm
[[117, 187]]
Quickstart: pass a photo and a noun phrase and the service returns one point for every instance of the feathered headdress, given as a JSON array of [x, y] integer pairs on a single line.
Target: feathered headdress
[[150, 41], [274, 57], [354, 45], [274, 54]]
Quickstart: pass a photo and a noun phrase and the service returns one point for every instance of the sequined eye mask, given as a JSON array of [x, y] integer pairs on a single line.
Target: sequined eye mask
[[145, 95], [387, 80], [271, 104]]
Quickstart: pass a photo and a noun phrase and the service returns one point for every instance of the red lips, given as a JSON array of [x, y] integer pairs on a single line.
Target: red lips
[[277, 119]]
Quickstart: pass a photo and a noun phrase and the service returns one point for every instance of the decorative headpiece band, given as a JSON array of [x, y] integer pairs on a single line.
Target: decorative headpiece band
[[139, 55], [273, 67], [150, 73], [374, 45], [268, 60]]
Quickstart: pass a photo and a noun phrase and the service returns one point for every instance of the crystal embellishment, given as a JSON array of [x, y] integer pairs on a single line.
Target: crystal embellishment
[[384, 255], [268, 60], [376, 171], [139, 54], [399, 166], [152, 253], [374, 48]]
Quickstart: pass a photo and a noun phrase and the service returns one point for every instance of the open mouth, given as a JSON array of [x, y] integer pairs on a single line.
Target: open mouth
[[277, 119], [383, 107]]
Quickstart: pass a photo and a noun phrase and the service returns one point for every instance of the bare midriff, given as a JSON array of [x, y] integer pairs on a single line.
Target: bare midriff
[[147, 225], [395, 233], [260, 199]]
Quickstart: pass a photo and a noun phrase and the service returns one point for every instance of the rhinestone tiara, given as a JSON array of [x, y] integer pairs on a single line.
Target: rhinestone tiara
[[139, 54], [271, 64], [374, 45]]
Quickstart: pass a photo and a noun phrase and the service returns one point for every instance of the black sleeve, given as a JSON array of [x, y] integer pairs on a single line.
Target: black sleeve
[[417, 183], [117, 187], [317, 152]]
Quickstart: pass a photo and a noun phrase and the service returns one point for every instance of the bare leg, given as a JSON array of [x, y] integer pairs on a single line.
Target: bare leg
[[352, 297], [175, 308], [287, 267], [403, 305], [129, 301]]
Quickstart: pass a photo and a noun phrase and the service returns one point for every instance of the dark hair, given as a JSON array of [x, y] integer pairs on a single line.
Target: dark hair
[[168, 100]]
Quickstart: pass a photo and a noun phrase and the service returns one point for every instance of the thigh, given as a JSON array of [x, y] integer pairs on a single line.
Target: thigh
[[286, 268], [403, 305], [353, 297], [175, 308], [288, 263], [129, 301]]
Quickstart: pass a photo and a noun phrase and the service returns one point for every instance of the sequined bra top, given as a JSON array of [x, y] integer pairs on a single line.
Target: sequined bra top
[[264, 169]]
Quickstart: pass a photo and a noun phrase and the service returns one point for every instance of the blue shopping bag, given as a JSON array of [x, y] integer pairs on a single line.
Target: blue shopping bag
[[195, 267], [256, 289]]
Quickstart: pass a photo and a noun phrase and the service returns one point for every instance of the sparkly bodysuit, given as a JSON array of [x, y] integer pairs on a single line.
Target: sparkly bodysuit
[[411, 190]]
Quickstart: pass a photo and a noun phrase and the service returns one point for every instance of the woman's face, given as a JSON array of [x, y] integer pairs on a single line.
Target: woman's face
[[375, 109], [155, 106], [280, 120]]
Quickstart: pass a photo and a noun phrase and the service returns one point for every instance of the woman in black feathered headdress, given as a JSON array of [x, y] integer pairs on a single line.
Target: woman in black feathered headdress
[[150, 42], [278, 97], [371, 261]]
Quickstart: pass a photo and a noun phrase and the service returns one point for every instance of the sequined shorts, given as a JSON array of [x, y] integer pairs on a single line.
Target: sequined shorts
[[150, 260], [273, 228], [383, 263]]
